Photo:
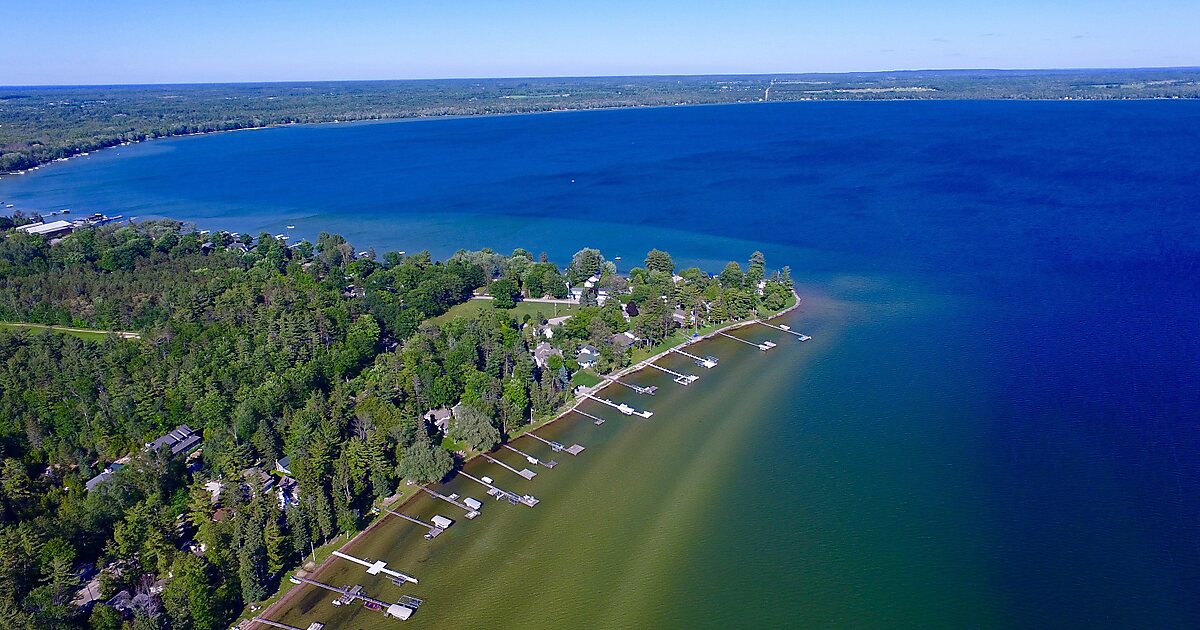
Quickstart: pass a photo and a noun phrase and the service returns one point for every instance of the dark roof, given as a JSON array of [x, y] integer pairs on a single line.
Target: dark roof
[[181, 439]]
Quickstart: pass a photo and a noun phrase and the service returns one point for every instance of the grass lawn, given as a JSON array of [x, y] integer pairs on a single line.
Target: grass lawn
[[82, 333], [585, 378], [471, 307]]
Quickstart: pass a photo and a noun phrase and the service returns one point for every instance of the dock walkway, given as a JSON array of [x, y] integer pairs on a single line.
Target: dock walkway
[[524, 472], [500, 493], [471, 512], [623, 408], [764, 346], [574, 449], [786, 329], [682, 379]]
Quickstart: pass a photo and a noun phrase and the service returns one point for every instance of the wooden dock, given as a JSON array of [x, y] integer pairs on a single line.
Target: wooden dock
[[524, 472], [574, 449], [709, 361], [530, 458], [471, 513], [682, 379], [402, 609], [623, 408], [786, 329], [434, 530], [500, 493], [764, 346], [637, 388], [597, 419]]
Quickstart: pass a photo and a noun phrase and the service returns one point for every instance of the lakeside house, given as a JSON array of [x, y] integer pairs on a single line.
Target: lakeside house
[[543, 352], [103, 477], [439, 418], [624, 341], [181, 440], [588, 356]]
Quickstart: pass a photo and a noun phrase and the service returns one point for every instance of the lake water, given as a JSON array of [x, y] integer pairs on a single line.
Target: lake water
[[997, 423]]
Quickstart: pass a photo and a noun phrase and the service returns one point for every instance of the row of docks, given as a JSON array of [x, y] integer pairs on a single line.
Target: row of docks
[[406, 606]]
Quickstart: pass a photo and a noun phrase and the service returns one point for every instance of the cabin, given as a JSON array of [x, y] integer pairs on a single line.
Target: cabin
[[543, 352], [103, 477], [588, 356], [439, 418], [181, 440], [623, 341]]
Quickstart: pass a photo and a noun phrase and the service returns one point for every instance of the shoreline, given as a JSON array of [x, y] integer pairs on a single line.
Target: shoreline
[[284, 600]]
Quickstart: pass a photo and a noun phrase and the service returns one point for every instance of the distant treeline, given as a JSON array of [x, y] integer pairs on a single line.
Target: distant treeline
[[41, 124]]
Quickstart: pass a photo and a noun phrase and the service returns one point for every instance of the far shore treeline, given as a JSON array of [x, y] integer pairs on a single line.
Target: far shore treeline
[[307, 371], [42, 124]]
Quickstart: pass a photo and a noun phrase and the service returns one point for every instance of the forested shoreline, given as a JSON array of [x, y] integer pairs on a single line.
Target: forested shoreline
[[308, 370], [42, 124]]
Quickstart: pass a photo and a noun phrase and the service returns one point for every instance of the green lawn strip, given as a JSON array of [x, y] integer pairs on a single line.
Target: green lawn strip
[[81, 333]]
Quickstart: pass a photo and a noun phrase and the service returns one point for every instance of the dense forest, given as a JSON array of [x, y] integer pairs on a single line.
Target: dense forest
[[40, 124], [308, 354]]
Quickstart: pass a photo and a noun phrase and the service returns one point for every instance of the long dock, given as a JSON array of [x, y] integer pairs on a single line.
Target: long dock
[[709, 361], [402, 609], [786, 329], [598, 420], [574, 449], [623, 408], [316, 625], [524, 472], [434, 530], [650, 389], [377, 567], [682, 379], [530, 458], [501, 493], [471, 512], [764, 346]]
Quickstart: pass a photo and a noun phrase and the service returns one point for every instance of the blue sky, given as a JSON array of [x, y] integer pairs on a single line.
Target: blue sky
[[166, 41]]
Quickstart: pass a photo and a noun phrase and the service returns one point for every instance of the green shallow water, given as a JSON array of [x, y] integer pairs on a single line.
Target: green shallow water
[[767, 493]]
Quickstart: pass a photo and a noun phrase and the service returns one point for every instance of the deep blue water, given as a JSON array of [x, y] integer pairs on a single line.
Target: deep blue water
[[1024, 274]]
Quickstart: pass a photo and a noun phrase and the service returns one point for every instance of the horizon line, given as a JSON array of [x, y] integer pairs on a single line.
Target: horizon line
[[604, 76]]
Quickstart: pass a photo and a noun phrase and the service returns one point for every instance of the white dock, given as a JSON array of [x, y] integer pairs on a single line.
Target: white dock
[[682, 379], [377, 567], [623, 408], [524, 472], [500, 493], [764, 346], [471, 512], [786, 329], [574, 449], [637, 388], [597, 419], [530, 458], [709, 361]]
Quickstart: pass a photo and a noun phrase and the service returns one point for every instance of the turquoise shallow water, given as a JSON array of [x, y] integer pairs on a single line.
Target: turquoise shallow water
[[995, 426]]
